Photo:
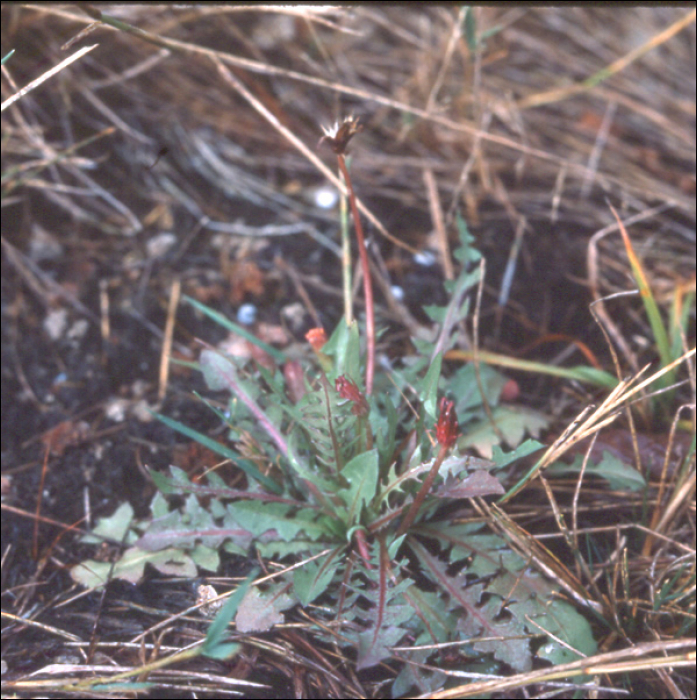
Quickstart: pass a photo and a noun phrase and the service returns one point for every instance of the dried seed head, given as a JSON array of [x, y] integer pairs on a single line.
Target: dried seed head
[[339, 135]]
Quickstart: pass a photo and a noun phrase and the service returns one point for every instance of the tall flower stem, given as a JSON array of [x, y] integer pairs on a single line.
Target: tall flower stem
[[367, 281], [346, 259]]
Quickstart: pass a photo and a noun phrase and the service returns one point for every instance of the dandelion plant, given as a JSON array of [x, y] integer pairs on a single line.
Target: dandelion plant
[[360, 500]]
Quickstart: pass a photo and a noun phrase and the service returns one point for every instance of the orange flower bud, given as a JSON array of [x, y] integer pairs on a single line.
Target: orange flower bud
[[317, 338]]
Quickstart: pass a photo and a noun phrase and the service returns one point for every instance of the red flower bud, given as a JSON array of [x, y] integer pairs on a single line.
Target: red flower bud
[[447, 430], [349, 390]]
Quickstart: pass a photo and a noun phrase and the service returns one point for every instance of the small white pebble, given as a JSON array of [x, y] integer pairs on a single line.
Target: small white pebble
[[78, 329], [397, 292], [158, 245], [55, 323], [425, 258], [246, 314], [141, 411], [326, 197], [204, 594], [116, 410], [294, 315]]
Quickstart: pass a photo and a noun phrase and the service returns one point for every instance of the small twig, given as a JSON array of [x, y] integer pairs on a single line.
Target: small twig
[[48, 74], [438, 222], [167, 342]]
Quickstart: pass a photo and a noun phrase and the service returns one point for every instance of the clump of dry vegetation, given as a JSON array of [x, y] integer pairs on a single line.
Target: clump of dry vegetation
[[179, 154]]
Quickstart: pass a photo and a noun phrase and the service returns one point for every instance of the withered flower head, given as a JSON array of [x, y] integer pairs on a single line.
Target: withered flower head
[[447, 430], [339, 135], [349, 390]]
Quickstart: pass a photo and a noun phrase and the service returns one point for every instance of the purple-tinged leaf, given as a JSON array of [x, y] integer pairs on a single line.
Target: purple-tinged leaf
[[220, 374], [184, 529], [479, 483], [179, 483]]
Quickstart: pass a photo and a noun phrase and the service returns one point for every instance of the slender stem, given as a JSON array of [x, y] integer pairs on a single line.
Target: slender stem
[[346, 261], [363, 548], [366, 433], [332, 434], [367, 282], [425, 488]]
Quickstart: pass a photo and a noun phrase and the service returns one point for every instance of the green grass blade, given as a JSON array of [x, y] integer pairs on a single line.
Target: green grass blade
[[213, 647], [582, 373], [652, 312]]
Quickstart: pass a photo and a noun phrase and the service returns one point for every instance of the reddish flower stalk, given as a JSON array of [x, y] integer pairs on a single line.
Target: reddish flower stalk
[[338, 138], [447, 432]]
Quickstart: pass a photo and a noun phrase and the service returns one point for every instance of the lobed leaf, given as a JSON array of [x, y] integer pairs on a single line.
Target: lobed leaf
[[113, 528], [130, 567], [259, 612], [313, 578], [512, 422], [480, 619], [362, 476], [284, 522]]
